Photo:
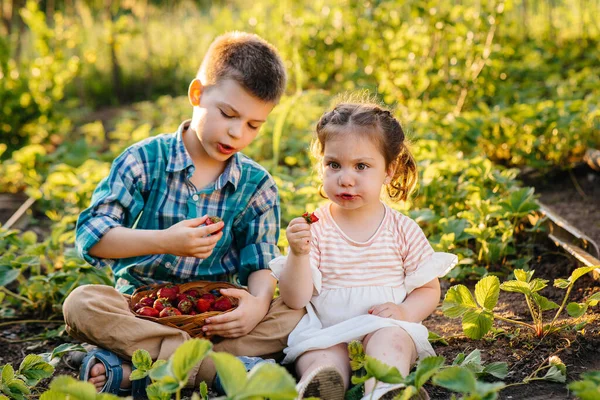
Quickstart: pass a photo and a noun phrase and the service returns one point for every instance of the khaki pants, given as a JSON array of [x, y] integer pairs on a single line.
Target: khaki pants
[[100, 315]]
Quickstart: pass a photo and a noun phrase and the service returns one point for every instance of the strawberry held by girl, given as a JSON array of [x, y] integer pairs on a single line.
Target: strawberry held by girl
[[365, 271]]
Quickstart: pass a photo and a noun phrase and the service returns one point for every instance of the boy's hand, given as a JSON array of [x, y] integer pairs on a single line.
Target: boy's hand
[[389, 310], [190, 238], [299, 236], [242, 320]]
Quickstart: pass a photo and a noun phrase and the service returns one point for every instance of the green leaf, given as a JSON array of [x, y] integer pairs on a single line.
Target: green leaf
[[8, 373], [456, 379], [487, 390], [476, 323], [231, 372], [496, 369], [137, 374], [269, 381], [407, 393], [576, 310], [382, 371], [50, 395], [543, 302], [72, 387], [203, 390], [356, 353], [561, 283], [593, 300], [156, 392], [579, 272], [34, 369], [427, 368], [458, 300], [538, 284], [516, 286], [555, 374], [187, 356], [18, 387], [8, 275], [522, 275], [65, 348], [433, 337], [141, 359], [585, 390], [487, 291], [520, 203], [160, 370]]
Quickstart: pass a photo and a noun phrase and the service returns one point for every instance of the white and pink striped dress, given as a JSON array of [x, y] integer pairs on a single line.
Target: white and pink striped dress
[[350, 277]]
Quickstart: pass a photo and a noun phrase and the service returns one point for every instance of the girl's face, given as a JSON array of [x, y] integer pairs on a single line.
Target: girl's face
[[353, 172]]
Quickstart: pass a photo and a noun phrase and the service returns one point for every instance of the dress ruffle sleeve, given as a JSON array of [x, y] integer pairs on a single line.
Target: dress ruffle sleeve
[[436, 265]]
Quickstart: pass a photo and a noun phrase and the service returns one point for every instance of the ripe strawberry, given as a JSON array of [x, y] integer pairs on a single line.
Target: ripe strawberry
[[203, 305], [193, 312], [183, 296], [148, 312], [144, 302], [310, 218], [161, 303], [169, 312], [168, 292], [213, 219], [193, 293], [185, 306], [209, 296], [223, 304]]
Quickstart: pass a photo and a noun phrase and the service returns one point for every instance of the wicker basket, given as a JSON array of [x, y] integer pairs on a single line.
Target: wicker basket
[[191, 324]]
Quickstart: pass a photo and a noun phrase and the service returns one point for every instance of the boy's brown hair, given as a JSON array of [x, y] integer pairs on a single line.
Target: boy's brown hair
[[247, 59]]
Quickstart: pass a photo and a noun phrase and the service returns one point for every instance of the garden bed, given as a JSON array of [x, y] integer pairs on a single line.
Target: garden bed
[[524, 353]]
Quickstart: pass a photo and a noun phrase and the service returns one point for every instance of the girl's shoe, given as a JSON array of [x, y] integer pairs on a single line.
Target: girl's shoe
[[325, 382], [387, 391]]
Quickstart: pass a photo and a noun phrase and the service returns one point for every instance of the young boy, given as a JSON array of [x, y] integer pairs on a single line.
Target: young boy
[[165, 187]]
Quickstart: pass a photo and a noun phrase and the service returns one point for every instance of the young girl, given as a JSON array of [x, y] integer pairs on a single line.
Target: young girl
[[364, 271]]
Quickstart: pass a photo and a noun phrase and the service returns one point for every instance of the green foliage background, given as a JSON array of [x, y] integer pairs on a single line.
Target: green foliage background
[[481, 87]]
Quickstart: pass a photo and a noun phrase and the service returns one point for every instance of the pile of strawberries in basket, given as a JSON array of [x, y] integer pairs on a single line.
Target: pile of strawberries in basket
[[168, 301]]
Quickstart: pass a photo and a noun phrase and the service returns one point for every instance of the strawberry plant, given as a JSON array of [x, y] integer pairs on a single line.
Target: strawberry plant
[[461, 376], [478, 315], [265, 380], [588, 387]]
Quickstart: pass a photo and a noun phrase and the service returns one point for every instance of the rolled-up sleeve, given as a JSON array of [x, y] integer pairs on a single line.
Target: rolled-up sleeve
[[258, 230], [117, 201]]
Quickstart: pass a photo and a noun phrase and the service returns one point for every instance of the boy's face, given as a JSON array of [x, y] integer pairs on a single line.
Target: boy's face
[[226, 117]]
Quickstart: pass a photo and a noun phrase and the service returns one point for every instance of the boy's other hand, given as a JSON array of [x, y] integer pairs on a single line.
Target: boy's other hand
[[299, 236], [191, 238], [239, 322]]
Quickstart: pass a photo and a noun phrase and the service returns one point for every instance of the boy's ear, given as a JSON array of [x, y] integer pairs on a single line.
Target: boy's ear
[[195, 92]]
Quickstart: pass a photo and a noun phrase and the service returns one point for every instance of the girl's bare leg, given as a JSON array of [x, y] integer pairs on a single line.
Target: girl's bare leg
[[392, 346]]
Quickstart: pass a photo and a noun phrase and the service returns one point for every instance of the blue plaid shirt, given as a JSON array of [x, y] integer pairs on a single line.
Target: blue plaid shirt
[[149, 188]]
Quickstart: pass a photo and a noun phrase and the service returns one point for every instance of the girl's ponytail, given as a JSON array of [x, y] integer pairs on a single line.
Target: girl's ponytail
[[405, 175]]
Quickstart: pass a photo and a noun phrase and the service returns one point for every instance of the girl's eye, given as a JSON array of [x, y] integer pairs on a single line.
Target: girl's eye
[[333, 165], [225, 115], [253, 127], [361, 167]]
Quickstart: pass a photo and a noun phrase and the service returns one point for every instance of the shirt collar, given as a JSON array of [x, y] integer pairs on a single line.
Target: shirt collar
[[179, 159]]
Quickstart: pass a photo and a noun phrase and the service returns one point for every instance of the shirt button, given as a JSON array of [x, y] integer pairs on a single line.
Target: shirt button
[[168, 265], [195, 197]]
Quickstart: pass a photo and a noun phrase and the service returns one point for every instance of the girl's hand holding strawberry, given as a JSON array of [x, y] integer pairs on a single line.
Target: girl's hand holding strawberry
[[192, 238], [299, 236]]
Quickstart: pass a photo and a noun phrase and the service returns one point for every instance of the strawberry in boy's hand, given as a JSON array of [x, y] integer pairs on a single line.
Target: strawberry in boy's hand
[[310, 218], [213, 219]]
